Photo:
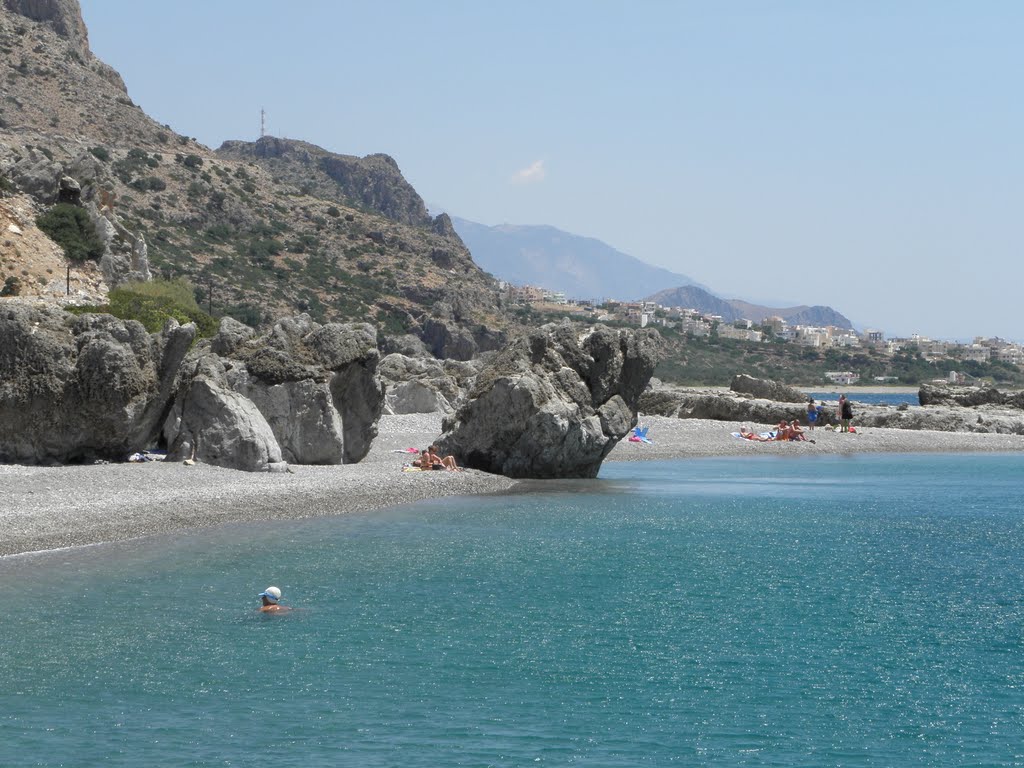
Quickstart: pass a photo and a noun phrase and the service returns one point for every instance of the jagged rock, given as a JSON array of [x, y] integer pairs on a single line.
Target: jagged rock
[[75, 388], [337, 345], [554, 403], [301, 415], [442, 225], [446, 339], [416, 397], [231, 335], [63, 16], [125, 255], [335, 364], [767, 389], [216, 425], [424, 385], [38, 176], [69, 191], [407, 345]]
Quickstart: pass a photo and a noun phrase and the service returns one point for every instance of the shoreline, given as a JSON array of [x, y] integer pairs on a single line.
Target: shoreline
[[48, 508]]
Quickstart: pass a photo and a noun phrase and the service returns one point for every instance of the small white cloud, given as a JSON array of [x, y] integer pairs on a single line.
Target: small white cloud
[[531, 174]]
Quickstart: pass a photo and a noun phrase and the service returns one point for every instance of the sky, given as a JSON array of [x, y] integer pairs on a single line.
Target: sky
[[868, 156]]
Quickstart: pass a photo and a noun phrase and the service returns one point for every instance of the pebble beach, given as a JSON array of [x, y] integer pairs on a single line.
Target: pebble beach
[[47, 508]]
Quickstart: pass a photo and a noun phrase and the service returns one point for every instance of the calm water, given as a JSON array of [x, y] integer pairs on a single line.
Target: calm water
[[869, 398], [818, 612]]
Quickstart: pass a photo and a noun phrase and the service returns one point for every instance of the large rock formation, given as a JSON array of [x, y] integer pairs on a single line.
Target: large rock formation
[[314, 386], [554, 403], [425, 384], [215, 425], [77, 388]]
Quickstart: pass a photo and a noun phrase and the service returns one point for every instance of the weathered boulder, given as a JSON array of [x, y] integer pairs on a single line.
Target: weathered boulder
[[766, 389], [553, 403], [74, 388], [231, 335], [334, 366], [416, 397], [216, 425], [447, 339], [301, 415], [425, 385]]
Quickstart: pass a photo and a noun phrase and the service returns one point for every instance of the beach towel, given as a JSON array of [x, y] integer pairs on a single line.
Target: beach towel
[[411, 469], [406, 450], [639, 435], [767, 435]]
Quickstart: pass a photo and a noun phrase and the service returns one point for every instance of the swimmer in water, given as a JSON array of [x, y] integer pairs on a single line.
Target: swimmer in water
[[270, 597]]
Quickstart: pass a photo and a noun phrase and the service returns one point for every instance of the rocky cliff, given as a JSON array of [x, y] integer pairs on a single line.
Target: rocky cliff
[[262, 229]]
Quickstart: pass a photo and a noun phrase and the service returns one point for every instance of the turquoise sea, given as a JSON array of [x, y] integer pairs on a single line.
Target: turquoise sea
[[832, 611], [869, 398]]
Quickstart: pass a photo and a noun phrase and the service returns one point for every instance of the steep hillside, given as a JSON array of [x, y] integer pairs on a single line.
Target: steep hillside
[[582, 267], [735, 309], [261, 228]]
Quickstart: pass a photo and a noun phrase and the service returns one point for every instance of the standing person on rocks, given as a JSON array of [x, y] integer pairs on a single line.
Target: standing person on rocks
[[845, 413]]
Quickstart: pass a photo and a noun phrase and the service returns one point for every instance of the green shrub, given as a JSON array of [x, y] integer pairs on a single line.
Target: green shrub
[[192, 161], [12, 286], [245, 313], [149, 184], [71, 228], [152, 303], [100, 153], [333, 211]]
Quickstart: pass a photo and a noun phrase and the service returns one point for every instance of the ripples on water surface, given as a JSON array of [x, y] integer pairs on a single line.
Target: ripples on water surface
[[832, 611]]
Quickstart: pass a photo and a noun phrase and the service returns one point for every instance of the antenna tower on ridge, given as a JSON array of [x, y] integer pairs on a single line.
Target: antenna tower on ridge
[[263, 123]]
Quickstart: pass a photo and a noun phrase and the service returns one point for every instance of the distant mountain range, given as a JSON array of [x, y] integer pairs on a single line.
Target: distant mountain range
[[736, 309], [586, 268], [582, 267]]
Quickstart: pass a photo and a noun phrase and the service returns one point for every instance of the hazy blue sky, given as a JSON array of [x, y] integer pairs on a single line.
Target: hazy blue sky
[[863, 155]]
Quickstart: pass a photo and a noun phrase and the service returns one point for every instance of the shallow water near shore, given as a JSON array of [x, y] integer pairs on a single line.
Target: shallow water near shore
[[862, 610]]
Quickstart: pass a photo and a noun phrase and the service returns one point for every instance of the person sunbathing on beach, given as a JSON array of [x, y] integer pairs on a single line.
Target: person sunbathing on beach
[[436, 462], [783, 431], [747, 434], [796, 432], [269, 598], [423, 460]]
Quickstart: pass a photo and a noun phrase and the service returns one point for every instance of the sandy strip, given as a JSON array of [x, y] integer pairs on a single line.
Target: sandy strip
[[50, 507]]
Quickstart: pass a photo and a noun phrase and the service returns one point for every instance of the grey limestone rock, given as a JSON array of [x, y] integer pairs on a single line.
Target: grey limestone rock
[[554, 403], [74, 388], [316, 385], [301, 415], [216, 425], [231, 335]]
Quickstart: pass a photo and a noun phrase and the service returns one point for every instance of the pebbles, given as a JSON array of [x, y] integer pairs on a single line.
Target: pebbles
[[50, 507]]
